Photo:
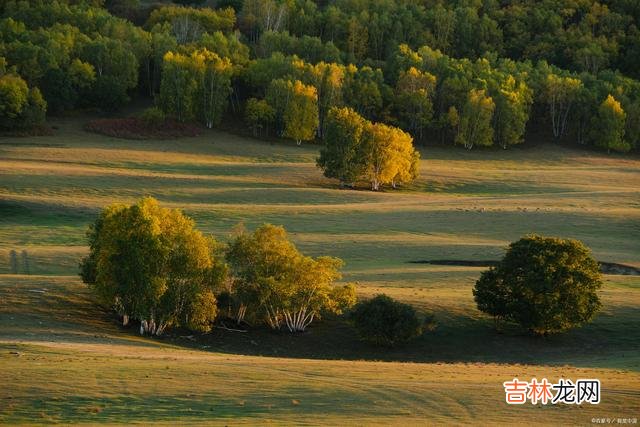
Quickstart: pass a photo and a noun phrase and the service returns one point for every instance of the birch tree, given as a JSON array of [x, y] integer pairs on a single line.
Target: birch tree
[[560, 93], [151, 265], [341, 157], [414, 92], [327, 79], [390, 155], [301, 114], [178, 86], [274, 282], [474, 126], [513, 102], [214, 85]]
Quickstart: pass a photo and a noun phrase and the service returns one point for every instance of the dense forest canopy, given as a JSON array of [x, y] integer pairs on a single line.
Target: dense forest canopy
[[468, 72]]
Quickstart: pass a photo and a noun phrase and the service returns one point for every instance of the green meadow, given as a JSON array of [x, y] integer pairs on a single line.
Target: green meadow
[[64, 360]]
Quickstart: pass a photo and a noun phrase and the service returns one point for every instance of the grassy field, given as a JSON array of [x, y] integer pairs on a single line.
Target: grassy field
[[73, 364]]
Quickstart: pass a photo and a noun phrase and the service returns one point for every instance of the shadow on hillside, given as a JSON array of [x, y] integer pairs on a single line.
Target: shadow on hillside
[[36, 309], [458, 338]]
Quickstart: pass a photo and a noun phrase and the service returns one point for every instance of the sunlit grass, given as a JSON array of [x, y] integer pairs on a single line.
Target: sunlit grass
[[76, 365], [68, 362]]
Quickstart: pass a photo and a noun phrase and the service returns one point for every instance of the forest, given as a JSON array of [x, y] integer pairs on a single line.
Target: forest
[[464, 72]]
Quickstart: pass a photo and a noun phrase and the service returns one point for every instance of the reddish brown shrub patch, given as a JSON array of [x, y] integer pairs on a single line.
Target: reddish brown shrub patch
[[137, 128]]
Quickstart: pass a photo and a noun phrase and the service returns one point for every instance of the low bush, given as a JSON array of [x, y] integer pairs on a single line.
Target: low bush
[[386, 322]]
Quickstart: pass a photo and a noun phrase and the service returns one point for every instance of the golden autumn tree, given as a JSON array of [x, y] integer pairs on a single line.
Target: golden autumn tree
[[301, 112], [196, 86], [214, 85], [151, 264], [273, 281], [391, 157], [609, 126]]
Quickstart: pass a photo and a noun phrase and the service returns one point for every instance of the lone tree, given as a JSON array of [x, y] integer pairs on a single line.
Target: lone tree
[[386, 322], [273, 281], [547, 285], [150, 264]]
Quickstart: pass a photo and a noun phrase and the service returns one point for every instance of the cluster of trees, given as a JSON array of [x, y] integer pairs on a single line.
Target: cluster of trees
[[581, 35], [21, 107], [77, 55], [150, 264], [195, 86], [321, 86], [474, 73], [359, 150], [491, 100], [546, 285], [271, 278]]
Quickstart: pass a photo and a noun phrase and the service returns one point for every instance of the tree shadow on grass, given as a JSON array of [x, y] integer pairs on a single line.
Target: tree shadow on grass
[[65, 312], [608, 342]]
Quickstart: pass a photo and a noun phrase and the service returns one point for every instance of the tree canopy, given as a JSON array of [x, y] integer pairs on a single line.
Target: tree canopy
[[150, 264], [359, 150], [274, 282], [477, 74], [547, 285]]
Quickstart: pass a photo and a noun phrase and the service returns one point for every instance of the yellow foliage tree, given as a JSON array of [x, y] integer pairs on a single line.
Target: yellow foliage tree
[[391, 156], [609, 125], [301, 112]]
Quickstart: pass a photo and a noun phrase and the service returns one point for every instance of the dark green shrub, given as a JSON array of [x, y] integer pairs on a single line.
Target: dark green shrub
[[386, 322]]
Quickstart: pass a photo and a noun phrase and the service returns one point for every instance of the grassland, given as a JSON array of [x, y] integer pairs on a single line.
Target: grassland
[[75, 365]]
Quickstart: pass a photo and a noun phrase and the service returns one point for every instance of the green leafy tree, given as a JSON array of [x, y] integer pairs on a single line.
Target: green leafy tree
[[278, 96], [116, 72], [475, 120], [513, 102], [259, 115], [560, 93], [21, 107], [363, 91], [14, 94], [301, 113], [327, 79], [188, 23], [150, 264], [214, 85], [414, 92], [385, 322], [178, 87], [547, 285], [341, 157]]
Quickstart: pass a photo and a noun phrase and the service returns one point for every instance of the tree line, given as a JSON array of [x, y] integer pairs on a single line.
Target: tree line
[[476, 73]]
